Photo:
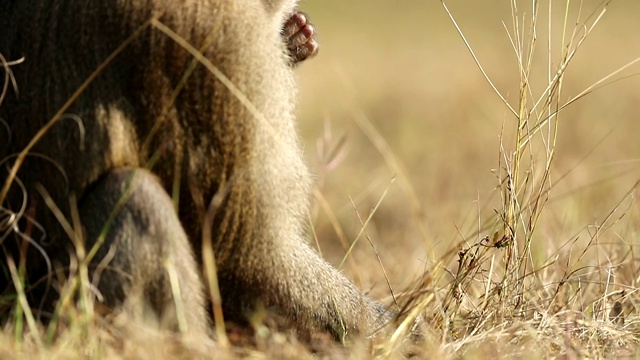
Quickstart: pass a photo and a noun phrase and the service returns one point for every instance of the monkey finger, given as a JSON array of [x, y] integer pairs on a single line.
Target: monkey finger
[[305, 51], [303, 45], [296, 21], [302, 36]]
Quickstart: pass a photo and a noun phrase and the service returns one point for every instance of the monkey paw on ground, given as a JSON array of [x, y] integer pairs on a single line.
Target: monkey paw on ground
[[300, 37]]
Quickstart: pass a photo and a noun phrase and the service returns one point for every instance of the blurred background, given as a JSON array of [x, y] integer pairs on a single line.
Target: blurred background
[[397, 104]]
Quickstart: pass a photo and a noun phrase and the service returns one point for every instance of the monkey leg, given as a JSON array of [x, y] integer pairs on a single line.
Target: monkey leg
[[144, 261], [292, 279], [330, 301], [273, 265]]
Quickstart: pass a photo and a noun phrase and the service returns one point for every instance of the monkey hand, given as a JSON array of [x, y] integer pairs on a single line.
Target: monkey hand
[[300, 37]]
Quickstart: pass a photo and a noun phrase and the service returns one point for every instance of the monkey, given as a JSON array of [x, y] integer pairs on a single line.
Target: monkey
[[170, 132]]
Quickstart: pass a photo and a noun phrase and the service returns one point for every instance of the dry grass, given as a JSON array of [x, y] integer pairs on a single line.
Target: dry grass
[[498, 189], [514, 187]]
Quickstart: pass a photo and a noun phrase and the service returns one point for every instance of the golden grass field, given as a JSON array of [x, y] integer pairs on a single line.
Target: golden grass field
[[510, 230], [403, 70]]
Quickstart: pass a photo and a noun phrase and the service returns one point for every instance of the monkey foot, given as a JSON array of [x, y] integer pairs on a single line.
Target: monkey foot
[[300, 37]]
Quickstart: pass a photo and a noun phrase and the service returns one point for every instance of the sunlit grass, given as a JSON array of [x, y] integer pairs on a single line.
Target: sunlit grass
[[498, 193], [521, 161]]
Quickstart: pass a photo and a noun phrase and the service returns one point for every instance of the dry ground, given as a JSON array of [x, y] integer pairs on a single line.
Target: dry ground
[[398, 118]]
